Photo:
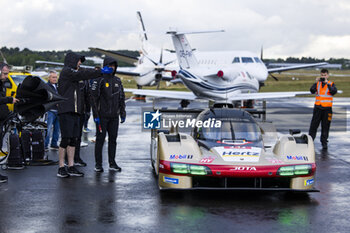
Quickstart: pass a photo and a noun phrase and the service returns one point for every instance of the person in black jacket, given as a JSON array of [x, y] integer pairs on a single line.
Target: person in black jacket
[[108, 107], [69, 110], [4, 111], [84, 89]]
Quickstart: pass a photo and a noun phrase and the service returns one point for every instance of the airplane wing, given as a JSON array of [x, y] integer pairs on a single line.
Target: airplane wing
[[167, 78], [128, 71], [296, 67], [50, 63], [121, 70], [185, 95], [61, 64], [268, 95], [176, 80], [118, 56]]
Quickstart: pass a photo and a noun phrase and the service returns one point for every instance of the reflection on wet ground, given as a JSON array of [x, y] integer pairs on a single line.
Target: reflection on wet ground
[[35, 200]]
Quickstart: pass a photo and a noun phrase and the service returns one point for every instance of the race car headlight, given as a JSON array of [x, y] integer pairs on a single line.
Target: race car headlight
[[179, 168], [294, 170], [189, 169], [302, 169], [198, 170], [286, 171]]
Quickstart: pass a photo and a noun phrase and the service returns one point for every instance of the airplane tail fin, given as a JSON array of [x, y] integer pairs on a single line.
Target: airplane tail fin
[[183, 49], [143, 34], [3, 57]]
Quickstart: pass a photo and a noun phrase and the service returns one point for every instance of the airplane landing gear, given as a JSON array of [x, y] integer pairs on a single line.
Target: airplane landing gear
[[140, 97], [184, 103]]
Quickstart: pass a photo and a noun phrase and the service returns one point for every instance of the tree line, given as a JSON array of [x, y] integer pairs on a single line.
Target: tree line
[[17, 57], [343, 61]]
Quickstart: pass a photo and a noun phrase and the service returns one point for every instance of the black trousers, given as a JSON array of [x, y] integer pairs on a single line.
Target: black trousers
[[323, 116], [110, 126], [77, 146]]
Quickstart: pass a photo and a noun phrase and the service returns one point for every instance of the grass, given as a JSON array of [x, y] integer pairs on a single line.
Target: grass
[[302, 82]]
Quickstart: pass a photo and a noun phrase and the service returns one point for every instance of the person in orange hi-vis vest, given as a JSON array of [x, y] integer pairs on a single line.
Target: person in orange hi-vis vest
[[324, 90]]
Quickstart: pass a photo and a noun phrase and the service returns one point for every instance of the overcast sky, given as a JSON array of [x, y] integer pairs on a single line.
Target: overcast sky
[[316, 28]]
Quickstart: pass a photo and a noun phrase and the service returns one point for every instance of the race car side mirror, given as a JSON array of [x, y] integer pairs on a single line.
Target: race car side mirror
[[165, 131], [294, 131]]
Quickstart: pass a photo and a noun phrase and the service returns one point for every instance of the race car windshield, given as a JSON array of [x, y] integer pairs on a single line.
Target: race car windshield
[[18, 78], [233, 130]]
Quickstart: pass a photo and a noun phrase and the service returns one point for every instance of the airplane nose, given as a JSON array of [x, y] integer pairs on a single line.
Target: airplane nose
[[261, 74]]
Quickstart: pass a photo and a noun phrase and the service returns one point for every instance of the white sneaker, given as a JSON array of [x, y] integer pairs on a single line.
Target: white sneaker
[[83, 144]]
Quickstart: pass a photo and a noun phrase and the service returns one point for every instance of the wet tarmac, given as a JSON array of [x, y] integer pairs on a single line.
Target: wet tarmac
[[35, 200]]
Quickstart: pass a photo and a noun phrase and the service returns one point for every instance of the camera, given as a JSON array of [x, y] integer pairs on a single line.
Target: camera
[[322, 79]]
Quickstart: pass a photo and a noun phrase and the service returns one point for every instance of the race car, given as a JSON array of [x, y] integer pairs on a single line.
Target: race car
[[240, 153], [15, 77]]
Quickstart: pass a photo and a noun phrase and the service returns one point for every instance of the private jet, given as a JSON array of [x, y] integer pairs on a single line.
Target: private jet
[[220, 82]]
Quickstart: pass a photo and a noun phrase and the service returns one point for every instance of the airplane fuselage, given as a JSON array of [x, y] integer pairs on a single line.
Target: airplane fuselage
[[249, 61], [234, 81]]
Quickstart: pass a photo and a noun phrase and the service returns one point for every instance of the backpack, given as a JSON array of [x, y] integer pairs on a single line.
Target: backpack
[[38, 150], [15, 158]]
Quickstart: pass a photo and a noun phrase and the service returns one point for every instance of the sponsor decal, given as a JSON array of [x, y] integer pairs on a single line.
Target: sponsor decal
[[161, 166], [210, 123], [236, 142], [181, 157], [238, 147], [239, 153], [207, 160], [296, 157], [107, 84], [151, 120], [170, 180], [233, 153], [309, 182], [243, 169], [275, 161]]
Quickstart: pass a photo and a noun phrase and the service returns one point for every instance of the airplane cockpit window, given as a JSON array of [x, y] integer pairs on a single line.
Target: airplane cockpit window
[[235, 60], [247, 60], [257, 60]]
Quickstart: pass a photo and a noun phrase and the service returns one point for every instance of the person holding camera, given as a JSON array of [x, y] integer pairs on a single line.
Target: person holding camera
[[4, 100], [324, 90]]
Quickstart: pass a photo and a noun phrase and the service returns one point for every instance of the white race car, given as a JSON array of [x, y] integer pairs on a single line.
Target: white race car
[[239, 153]]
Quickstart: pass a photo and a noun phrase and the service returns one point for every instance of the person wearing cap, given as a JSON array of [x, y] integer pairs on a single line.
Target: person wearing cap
[[70, 109], [324, 90], [108, 109], [4, 100]]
